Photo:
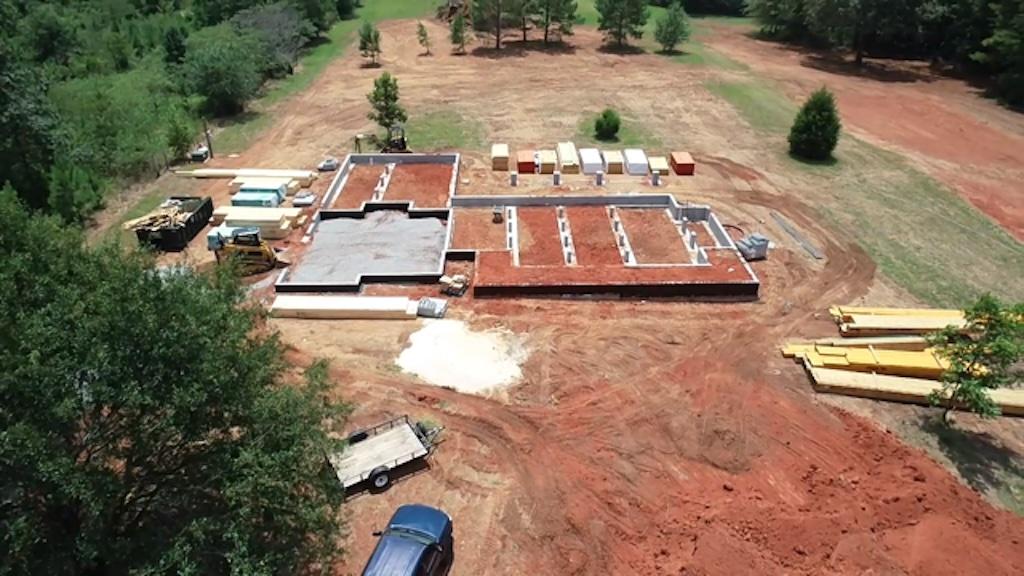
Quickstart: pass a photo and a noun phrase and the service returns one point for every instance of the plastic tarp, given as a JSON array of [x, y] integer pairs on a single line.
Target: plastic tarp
[[590, 160], [636, 161], [257, 199]]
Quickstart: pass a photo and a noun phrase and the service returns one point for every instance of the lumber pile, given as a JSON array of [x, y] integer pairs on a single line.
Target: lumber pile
[[568, 159], [636, 161], [499, 157], [526, 162], [274, 223], [658, 165], [896, 365], [590, 160], [613, 162], [682, 163], [343, 307], [303, 177], [859, 321], [546, 161]]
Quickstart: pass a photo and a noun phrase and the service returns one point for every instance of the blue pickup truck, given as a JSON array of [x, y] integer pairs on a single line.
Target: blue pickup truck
[[418, 541]]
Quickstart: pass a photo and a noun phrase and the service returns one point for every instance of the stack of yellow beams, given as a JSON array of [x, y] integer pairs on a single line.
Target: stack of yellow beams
[[274, 223], [920, 364], [658, 165], [900, 389], [855, 320], [303, 177]]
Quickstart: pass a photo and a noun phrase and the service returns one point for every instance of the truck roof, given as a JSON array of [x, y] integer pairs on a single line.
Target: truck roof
[[395, 555], [420, 518]]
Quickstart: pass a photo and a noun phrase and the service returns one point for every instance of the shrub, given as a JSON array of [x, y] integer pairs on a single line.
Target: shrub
[[815, 131], [673, 28], [606, 127]]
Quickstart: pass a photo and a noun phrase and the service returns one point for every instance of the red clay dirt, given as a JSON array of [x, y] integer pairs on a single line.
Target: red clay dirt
[[358, 187], [653, 236], [539, 242], [425, 185], [936, 119], [592, 236], [475, 229], [704, 237]]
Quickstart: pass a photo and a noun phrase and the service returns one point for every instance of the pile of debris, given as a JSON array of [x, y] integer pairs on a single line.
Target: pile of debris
[[174, 223]]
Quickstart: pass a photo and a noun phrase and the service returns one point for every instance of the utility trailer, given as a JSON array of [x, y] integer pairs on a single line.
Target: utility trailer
[[373, 453]]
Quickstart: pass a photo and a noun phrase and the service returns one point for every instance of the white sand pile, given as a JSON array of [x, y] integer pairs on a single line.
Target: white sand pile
[[448, 353]]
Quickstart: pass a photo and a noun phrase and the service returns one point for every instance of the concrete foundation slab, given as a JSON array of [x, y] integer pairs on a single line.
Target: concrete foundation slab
[[385, 243]]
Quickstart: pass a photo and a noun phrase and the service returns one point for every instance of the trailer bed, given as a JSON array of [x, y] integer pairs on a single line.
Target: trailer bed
[[386, 446]]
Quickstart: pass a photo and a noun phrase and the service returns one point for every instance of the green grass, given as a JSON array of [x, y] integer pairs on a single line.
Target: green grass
[[444, 130], [632, 134], [921, 234]]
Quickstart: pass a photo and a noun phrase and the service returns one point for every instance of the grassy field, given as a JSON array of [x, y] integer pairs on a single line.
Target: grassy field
[[444, 130], [631, 134], [921, 234]]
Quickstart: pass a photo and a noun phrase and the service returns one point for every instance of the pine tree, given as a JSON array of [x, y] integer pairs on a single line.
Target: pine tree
[[815, 131], [489, 15], [384, 99], [622, 19], [423, 37], [673, 28], [555, 16], [458, 33], [369, 41]]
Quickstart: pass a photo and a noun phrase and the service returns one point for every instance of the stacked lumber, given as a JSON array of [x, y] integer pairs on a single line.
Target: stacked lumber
[[343, 307], [253, 184], [568, 159], [682, 163], [274, 223], [546, 161], [916, 363], [636, 161], [613, 162], [499, 157], [855, 320], [303, 177], [590, 160], [526, 162], [900, 389], [658, 165]]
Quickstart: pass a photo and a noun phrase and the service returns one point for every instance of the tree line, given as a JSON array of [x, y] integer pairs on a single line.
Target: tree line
[[94, 92], [976, 35]]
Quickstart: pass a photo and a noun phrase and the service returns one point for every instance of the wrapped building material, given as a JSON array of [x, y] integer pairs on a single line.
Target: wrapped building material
[[682, 163], [499, 157], [256, 199], [304, 177], [590, 160], [343, 307], [636, 161], [546, 161], [658, 165], [526, 162]]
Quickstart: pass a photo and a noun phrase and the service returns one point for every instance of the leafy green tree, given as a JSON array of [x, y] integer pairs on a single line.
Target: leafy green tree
[[983, 356], [161, 435], [180, 135], [784, 19], [384, 100], [175, 46], [457, 30], [29, 129], [673, 28], [279, 27], [422, 37], [75, 191], [222, 66], [51, 33], [489, 16], [555, 16], [622, 19], [346, 9], [321, 14], [815, 131], [1003, 51], [369, 41], [606, 126]]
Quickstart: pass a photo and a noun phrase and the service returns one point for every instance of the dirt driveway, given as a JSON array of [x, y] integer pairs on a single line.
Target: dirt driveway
[[962, 139]]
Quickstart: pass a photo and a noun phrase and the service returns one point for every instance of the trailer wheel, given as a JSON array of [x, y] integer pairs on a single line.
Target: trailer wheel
[[380, 478]]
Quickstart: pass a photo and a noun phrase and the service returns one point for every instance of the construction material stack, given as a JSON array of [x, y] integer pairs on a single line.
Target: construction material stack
[[526, 162], [636, 161], [613, 162], [895, 363], [682, 163], [590, 160], [568, 159], [499, 157], [173, 224]]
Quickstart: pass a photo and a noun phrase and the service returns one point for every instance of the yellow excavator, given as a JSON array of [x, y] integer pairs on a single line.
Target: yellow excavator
[[245, 246]]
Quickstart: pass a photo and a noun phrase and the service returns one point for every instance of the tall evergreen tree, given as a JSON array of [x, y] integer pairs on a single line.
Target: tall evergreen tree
[[622, 19], [489, 15], [384, 99], [815, 131], [673, 28], [556, 16], [457, 29]]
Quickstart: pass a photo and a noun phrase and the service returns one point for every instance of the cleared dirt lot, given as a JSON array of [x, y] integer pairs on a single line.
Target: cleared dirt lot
[[646, 437]]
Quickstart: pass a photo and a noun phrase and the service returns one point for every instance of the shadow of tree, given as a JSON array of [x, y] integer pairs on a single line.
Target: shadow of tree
[[624, 50], [519, 49], [982, 460]]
